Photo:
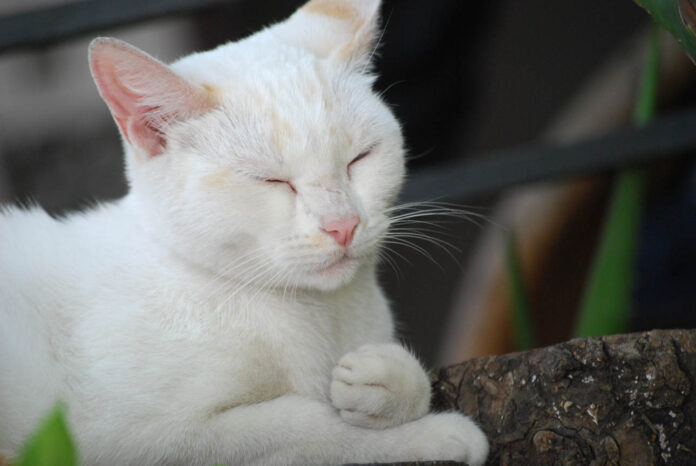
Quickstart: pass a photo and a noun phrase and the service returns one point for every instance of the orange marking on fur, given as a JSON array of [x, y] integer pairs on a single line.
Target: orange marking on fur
[[332, 8], [281, 133], [218, 180], [212, 91]]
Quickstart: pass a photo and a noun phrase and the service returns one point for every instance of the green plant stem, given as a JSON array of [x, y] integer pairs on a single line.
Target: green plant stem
[[521, 309], [607, 300]]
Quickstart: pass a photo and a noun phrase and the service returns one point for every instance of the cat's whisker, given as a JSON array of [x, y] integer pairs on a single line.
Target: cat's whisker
[[383, 255], [268, 284], [386, 89], [433, 203], [438, 215], [287, 279], [256, 272], [387, 249], [426, 221], [412, 246], [440, 244], [414, 234], [241, 261], [424, 252], [224, 278], [438, 210]]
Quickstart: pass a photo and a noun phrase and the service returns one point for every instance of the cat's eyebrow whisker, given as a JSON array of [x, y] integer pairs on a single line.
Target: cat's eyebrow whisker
[[378, 42]]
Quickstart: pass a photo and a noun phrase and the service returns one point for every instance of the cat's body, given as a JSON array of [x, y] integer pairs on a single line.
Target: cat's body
[[227, 309], [164, 347]]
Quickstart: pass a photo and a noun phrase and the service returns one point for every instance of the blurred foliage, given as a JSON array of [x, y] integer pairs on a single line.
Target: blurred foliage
[[51, 444], [522, 322], [677, 17], [607, 300]]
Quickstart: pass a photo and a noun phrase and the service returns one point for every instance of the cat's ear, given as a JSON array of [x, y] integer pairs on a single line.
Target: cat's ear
[[143, 94], [342, 29]]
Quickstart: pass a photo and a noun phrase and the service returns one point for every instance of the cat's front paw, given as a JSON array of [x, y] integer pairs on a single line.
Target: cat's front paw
[[446, 437], [380, 386]]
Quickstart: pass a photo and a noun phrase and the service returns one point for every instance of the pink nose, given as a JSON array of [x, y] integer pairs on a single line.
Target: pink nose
[[342, 230]]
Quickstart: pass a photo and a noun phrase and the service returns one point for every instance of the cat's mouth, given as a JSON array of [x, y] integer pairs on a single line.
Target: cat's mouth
[[344, 263]]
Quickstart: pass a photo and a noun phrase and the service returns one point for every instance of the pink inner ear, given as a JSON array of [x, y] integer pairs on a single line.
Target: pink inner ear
[[146, 136], [142, 93]]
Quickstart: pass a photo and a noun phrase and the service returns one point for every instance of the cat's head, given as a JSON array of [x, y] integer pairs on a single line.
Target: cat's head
[[271, 159]]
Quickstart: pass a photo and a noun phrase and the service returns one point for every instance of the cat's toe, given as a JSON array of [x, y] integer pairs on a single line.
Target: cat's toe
[[362, 405]]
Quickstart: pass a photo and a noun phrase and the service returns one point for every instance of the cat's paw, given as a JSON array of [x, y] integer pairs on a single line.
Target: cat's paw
[[380, 386], [446, 437]]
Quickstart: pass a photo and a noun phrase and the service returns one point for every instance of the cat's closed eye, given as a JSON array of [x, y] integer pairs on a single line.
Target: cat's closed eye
[[360, 156], [274, 180]]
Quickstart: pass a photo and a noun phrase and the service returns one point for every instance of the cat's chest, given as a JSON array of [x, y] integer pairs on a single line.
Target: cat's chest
[[217, 355], [280, 356], [253, 355]]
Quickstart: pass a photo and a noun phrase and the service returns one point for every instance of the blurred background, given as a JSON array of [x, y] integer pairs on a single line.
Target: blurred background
[[465, 79]]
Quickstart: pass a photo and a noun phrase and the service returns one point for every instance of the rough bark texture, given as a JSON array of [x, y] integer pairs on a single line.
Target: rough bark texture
[[617, 400]]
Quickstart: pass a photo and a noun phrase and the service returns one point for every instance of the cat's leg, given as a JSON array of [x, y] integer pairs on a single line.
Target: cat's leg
[[298, 430], [380, 386]]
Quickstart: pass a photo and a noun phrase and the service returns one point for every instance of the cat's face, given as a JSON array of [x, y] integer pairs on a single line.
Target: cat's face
[[281, 163]]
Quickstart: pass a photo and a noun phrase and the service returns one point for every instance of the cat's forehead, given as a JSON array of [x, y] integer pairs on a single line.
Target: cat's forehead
[[283, 106], [255, 62]]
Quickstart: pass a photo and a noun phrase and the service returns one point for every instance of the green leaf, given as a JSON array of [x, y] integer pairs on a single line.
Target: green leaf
[[51, 444], [647, 92], [521, 310], [666, 13], [606, 304]]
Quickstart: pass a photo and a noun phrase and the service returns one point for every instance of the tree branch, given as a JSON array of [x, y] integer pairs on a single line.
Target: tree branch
[[623, 399]]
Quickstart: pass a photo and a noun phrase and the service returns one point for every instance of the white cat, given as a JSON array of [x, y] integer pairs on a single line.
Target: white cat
[[227, 309]]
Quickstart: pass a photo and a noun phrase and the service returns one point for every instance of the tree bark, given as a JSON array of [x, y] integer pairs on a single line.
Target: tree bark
[[615, 400]]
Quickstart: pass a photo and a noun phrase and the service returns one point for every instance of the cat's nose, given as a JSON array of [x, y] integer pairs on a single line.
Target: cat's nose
[[342, 229]]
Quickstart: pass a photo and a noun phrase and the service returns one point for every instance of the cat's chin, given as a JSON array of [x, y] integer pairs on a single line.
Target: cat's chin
[[335, 275]]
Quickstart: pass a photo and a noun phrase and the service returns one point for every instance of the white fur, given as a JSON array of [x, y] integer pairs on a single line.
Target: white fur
[[198, 319]]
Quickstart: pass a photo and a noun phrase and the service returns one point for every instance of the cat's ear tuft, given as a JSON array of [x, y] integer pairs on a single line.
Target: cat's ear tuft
[[342, 29], [142, 93]]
